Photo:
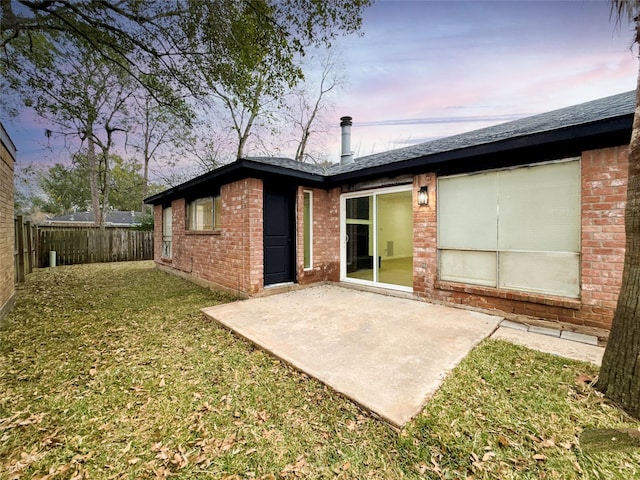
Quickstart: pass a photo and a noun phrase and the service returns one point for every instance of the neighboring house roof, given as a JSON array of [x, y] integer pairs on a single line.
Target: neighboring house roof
[[114, 218], [559, 133]]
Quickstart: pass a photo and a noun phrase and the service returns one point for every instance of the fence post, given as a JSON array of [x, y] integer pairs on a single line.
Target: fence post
[[20, 235], [36, 246], [29, 234]]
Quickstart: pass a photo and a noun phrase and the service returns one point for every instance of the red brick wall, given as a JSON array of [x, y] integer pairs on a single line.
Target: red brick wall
[[604, 193], [7, 268], [425, 253], [326, 236], [231, 256], [157, 232], [604, 180]]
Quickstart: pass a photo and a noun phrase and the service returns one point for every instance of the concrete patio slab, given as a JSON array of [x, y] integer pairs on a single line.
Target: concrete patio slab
[[388, 354]]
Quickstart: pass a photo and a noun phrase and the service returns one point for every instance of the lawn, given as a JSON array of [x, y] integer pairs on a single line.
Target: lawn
[[110, 371]]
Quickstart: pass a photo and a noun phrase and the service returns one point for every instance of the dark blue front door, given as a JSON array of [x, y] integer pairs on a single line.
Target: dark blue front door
[[279, 242]]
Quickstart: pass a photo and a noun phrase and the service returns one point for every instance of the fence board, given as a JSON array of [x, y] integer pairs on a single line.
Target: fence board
[[75, 245], [24, 251]]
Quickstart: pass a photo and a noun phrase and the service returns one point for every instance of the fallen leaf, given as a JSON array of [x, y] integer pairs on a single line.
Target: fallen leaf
[[547, 443], [582, 378], [502, 441], [534, 438], [133, 461], [488, 456], [93, 371], [539, 457], [228, 442]]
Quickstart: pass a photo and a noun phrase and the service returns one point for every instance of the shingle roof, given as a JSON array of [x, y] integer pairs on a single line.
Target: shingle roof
[[607, 119], [292, 164], [113, 217], [584, 113]]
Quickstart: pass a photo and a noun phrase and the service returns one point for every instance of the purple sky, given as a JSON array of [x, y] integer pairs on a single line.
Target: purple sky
[[427, 69]]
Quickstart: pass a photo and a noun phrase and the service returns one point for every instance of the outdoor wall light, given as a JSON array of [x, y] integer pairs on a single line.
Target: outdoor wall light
[[423, 195]]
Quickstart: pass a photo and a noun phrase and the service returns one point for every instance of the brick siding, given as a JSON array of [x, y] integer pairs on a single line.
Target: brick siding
[[326, 236], [604, 180], [7, 234], [231, 256]]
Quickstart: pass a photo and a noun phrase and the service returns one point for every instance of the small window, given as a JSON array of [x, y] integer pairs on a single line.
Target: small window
[[204, 213], [167, 232], [307, 220]]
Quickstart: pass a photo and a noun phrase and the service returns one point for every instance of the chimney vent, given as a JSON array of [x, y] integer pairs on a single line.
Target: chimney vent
[[346, 156]]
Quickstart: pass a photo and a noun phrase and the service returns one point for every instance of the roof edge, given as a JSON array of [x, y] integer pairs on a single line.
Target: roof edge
[[7, 142], [229, 170]]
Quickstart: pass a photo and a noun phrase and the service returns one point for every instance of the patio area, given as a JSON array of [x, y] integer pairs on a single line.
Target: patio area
[[387, 354]]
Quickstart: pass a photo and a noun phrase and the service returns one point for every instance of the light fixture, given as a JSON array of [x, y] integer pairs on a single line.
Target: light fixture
[[423, 195]]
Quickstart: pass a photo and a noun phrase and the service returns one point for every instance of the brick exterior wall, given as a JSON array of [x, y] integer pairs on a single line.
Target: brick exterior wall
[[604, 180], [7, 234], [231, 256], [326, 236], [425, 252], [604, 194]]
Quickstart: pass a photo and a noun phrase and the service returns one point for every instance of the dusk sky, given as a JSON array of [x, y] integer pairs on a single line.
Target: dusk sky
[[428, 69]]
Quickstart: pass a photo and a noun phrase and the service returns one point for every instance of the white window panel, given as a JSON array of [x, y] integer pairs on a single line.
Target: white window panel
[[167, 232], [467, 212], [307, 221], [539, 208], [543, 272], [467, 266]]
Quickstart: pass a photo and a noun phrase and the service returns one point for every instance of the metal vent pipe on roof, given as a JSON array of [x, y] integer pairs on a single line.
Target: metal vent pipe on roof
[[347, 155]]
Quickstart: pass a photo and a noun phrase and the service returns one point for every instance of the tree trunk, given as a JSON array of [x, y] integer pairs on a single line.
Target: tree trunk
[[93, 178], [106, 188], [619, 376], [147, 141]]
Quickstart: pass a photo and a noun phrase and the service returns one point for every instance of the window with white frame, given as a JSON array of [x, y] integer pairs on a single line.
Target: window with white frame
[[204, 213], [307, 220], [515, 229], [167, 232]]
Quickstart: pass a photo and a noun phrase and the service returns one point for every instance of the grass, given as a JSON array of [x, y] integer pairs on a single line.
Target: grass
[[110, 371]]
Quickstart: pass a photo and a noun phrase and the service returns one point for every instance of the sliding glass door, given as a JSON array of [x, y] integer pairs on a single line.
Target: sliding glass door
[[377, 233]]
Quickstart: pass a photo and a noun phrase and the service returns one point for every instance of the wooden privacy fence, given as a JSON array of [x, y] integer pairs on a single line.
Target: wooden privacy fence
[[93, 244], [24, 252]]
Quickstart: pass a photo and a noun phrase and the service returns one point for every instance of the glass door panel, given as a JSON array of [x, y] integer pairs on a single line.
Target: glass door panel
[[359, 247], [394, 238], [378, 244]]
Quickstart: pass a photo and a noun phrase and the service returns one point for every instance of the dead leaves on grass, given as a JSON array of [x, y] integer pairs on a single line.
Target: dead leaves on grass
[[298, 469], [72, 470], [16, 421]]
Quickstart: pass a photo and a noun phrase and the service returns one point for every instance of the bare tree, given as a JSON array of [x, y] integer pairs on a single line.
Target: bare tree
[[156, 126], [308, 100], [85, 98]]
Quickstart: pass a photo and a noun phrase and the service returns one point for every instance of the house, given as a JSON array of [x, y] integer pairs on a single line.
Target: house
[[526, 218], [7, 233], [113, 218]]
